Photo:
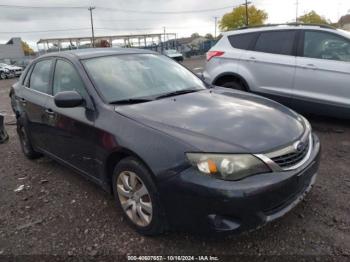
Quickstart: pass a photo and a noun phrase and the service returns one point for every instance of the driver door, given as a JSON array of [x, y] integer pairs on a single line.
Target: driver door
[[323, 70]]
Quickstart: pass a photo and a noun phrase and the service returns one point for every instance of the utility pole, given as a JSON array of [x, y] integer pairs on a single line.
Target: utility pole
[[164, 38], [92, 25], [296, 11], [216, 25], [246, 12]]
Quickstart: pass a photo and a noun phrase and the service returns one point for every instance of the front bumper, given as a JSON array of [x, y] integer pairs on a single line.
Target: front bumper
[[195, 202]]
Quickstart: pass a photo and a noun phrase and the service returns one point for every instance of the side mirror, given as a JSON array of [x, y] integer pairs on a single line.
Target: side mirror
[[200, 75], [68, 99]]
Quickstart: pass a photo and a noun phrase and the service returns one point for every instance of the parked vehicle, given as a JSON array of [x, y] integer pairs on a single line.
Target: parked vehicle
[[14, 70], [176, 154], [303, 66], [5, 73], [174, 54]]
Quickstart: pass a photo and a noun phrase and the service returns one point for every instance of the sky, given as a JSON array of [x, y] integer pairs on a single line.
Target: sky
[[141, 16]]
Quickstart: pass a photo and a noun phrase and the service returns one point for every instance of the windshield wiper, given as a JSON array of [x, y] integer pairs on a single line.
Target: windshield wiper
[[178, 92], [130, 101]]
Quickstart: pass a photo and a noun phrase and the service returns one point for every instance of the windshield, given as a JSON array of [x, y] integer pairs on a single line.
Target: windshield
[[135, 76]]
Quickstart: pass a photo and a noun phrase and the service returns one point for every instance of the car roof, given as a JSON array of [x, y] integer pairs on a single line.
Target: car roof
[[281, 27], [97, 52]]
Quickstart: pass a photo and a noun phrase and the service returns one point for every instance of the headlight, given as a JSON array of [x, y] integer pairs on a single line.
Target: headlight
[[6, 70], [228, 166]]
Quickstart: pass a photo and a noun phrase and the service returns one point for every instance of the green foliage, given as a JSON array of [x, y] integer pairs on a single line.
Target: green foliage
[[27, 49], [209, 36], [195, 35], [313, 18], [237, 18]]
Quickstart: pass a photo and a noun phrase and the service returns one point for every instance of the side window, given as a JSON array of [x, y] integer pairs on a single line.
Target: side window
[[276, 42], [242, 41], [66, 78], [40, 77], [323, 45]]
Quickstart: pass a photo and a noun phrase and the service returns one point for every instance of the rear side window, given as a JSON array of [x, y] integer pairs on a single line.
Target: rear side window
[[26, 79], [40, 77], [242, 41], [276, 42]]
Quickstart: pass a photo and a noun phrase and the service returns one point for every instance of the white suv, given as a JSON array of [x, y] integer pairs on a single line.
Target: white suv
[[304, 66]]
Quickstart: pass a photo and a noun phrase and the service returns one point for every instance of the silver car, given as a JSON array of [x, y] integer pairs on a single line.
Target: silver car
[[304, 66]]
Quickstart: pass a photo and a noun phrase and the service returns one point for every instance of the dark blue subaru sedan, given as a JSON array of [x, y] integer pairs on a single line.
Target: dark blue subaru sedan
[[175, 152]]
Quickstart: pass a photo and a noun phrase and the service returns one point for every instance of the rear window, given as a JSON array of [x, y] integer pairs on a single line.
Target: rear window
[[276, 42], [242, 41]]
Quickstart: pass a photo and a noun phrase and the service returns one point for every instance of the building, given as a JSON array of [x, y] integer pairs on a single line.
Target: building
[[344, 22], [12, 50], [148, 41]]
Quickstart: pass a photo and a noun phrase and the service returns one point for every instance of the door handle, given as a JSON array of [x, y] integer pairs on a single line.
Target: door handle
[[23, 101], [50, 112], [252, 59], [311, 66]]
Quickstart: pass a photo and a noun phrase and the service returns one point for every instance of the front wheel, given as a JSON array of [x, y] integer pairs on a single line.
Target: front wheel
[[136, 194]]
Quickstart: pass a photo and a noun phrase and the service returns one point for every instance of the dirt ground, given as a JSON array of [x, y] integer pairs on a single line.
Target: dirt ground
[[60, 213]]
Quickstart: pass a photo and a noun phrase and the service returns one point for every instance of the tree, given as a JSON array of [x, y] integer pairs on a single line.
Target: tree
[[195, 35], [209, 36], [27, 49], [313, 18], [237, 18]]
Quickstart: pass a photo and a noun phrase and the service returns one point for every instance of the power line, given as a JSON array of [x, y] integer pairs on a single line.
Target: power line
[[100, 28], [43, 7], [165, 12], [119, 9]]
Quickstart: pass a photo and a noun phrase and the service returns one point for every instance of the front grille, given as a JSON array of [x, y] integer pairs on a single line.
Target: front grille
[[292, 159]]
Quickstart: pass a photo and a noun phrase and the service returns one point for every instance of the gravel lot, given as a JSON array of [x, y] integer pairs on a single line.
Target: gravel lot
[[60, 213]]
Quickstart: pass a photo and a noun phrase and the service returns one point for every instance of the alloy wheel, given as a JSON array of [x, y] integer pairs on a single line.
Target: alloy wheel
[[134, 198]]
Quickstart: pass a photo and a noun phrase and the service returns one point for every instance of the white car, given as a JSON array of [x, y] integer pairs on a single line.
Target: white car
[[303, 66], [174, 54], [15, 70]]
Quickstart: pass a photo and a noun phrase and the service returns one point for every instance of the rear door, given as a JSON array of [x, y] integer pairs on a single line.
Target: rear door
[[72, 133], [323, 70], [33, 100], [270, 63]]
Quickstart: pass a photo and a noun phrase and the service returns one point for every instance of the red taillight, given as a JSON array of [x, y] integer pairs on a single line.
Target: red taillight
[[212, 54]]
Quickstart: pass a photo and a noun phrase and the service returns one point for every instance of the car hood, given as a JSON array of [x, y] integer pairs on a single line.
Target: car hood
[[14, 67], [220, 120]]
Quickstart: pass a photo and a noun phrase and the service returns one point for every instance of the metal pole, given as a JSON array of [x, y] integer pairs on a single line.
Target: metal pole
[[92, 26], [164, 37], [216, 25], [296, 11], [246, 13]]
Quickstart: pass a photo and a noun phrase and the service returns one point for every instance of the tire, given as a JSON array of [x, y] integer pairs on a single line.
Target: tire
[[2, 75], [234, 85], [26, 144], [143, 213]]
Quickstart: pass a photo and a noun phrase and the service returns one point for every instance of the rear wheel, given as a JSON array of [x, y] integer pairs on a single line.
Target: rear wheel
[[136, 194], [234, 85], [26, 144]]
